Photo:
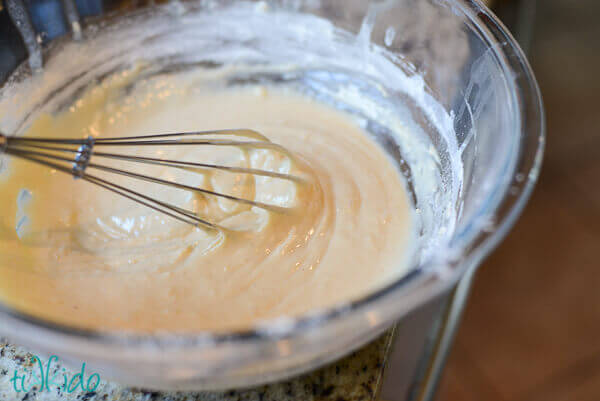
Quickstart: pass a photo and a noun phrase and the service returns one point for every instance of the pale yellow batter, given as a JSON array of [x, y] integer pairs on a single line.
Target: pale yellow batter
[[89, 258]]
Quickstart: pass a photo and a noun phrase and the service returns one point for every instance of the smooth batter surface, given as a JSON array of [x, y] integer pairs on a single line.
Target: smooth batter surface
[[78, 254]]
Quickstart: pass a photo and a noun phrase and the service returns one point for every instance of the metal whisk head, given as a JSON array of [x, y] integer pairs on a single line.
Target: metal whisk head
[[78, 156]]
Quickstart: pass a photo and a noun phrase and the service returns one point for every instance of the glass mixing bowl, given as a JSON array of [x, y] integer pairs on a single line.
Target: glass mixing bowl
[[448, 66]]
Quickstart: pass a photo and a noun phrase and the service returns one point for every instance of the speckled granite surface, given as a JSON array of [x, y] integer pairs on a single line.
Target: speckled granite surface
[[354, 378]]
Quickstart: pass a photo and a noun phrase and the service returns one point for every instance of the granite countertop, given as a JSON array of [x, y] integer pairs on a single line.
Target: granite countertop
[[354, 378]]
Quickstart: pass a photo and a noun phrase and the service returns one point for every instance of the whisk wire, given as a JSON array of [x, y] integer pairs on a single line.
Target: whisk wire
[[133, 195], [190, 166], [49, 151]]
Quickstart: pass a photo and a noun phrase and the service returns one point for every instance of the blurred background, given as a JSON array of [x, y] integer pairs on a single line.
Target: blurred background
[[531, 329]]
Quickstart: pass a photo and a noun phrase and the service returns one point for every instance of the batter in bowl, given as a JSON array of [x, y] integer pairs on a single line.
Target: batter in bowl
[[77, 254]]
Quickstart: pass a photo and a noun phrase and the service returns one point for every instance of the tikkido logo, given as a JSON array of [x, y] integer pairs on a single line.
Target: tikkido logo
[[42, 378]]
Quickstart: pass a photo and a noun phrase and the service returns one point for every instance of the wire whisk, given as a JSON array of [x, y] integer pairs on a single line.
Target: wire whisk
[[77, 156]]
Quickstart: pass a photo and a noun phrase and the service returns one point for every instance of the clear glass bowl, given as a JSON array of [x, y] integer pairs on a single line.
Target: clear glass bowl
[[479, 79]]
